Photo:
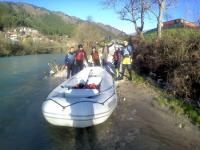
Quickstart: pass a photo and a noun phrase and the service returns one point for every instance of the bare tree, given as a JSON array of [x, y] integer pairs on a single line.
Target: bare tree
[[157, 8], [130, 10], [196, 12], [161, 4]]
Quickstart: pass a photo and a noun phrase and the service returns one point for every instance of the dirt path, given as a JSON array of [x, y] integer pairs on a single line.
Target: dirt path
[[143, 126]]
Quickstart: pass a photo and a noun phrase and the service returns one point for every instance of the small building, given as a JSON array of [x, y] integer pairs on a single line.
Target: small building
[[179, 23]]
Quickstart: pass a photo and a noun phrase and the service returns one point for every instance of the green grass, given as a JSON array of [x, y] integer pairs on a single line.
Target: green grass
[[137, 78], [179, 108]]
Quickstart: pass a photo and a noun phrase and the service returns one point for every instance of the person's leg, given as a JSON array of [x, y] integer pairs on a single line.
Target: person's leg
[[118, 69], [103, 62], [73, 70], [95, 63], [78, 66], [123, 70], [98, 63], [81, 66], [129, 71], [68, 71]]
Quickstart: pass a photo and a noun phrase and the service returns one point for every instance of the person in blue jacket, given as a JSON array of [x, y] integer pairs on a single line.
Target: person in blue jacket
[[69, 62]]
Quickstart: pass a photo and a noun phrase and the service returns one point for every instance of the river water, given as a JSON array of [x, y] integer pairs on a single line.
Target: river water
[[23, 88]]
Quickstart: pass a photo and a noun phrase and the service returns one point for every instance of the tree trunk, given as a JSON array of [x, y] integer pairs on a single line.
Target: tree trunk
[[142, 35], [160, 17], [138, 31], [142, 5]]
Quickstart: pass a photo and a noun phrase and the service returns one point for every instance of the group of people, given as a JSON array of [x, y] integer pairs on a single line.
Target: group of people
[[74, 60], [122, 58]]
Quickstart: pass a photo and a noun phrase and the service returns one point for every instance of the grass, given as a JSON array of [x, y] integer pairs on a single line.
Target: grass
[[138, 79], [177, 106]]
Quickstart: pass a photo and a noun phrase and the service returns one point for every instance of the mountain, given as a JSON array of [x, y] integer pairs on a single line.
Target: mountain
[[46, 21]]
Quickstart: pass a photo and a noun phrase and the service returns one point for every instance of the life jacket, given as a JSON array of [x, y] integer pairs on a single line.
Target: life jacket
[[95, 56], [80, 55]]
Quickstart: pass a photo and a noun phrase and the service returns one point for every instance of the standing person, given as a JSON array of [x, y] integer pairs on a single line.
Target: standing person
[[69, 62], [117, 58], [80, 56], [126, 62], [105, 53], [95, 56]]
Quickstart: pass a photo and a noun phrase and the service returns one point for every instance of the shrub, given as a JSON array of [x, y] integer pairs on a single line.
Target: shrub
[[175, 60]]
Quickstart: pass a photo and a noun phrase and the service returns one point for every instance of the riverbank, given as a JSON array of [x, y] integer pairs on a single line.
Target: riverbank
[[156, 127], [168, 103]]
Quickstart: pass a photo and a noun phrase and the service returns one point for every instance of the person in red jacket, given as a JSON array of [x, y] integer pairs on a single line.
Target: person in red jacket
[[95, 56], [80, 56]]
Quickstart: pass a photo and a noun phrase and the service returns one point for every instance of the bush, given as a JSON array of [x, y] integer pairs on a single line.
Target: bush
[[174, 60]]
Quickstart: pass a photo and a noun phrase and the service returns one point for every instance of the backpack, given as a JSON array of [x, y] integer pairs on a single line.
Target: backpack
[[80, 55]]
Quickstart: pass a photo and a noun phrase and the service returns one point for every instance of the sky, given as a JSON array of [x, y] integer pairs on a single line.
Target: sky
[[186, 9]]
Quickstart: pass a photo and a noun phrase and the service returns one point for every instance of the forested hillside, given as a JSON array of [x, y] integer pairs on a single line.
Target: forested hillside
[[54, 29]]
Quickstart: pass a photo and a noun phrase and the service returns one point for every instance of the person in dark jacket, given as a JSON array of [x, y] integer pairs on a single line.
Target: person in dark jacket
[[95, 56], [80, 56], [69, 62], [117, 58]]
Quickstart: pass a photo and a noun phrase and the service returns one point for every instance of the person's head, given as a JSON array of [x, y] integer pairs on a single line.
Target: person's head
[[71, 49], [116, 48], [82, 84], [93, 49], [80, 46], [125, 43]]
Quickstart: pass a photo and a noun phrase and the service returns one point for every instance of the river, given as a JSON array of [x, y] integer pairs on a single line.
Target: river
[[23, 88]]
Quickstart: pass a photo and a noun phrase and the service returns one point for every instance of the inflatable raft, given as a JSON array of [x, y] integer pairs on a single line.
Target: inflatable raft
[[86, 99]]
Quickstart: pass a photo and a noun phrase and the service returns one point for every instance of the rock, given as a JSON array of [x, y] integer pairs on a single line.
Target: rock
[[181, 125]]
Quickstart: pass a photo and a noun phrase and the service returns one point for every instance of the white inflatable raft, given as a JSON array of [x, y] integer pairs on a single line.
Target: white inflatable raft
[[86, 99]]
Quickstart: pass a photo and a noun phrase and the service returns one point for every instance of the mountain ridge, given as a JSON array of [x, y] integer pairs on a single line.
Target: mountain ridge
[[41, 12]]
